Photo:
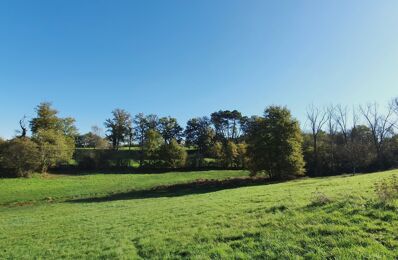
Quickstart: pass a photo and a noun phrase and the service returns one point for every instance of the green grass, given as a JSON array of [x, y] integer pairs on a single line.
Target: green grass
[[63, 187], [269, 221]]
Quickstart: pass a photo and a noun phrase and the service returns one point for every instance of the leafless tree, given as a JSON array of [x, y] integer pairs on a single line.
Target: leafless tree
[[380, 125], [332, 130], [24, 129], [317, 119]]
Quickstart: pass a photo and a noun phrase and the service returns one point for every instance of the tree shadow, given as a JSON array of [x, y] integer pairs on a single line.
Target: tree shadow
[[182, 189]]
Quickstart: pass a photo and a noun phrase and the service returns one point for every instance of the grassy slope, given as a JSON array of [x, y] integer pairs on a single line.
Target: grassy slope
[[59, 187], [270, 221]]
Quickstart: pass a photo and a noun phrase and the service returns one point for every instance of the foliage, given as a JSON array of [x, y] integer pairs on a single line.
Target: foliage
[[227, 124], [54, 148], [173, 154], [199, 133], [46, 118], [170, 129], [274, 144], [152, 144], [19, 156], [119, 127]]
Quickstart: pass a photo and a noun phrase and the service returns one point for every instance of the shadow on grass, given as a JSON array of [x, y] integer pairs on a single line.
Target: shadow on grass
[[182, 189]]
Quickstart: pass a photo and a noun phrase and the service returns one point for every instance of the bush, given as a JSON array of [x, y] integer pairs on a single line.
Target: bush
[[20, 157], [319, 199], [173, 154], [54, 148], [387, 190]]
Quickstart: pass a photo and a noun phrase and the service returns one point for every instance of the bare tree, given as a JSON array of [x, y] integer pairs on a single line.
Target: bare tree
[[380, 125], [317, 119], [24, 129], [332, 129]]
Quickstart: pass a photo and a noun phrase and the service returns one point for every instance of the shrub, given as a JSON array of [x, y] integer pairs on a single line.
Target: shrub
[[319, 199], [54, 148], [387, 190], [173, 154], [20, 157]]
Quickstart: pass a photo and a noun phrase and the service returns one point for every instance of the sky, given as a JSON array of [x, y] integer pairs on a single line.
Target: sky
[[189, 58]]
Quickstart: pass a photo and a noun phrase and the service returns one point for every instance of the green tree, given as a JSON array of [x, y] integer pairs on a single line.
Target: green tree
[[118, 127], [173, 154], [54, 148], [274, 144], [230, 154], [170, 129], [242, 154], [19, 156], [47, 118], [152, 143]]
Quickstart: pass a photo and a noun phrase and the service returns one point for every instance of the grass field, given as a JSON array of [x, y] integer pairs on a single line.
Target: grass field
[[267, 221]]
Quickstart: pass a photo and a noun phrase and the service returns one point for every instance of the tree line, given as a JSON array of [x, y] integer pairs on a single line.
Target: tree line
[[338, 140]]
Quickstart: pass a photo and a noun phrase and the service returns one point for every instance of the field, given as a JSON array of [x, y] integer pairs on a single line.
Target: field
[[60, 217]]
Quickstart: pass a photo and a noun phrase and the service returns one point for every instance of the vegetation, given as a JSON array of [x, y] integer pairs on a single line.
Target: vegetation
[[272, 221], [275, 144]]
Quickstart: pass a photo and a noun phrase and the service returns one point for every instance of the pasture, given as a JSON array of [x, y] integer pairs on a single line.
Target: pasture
[[79, 216]]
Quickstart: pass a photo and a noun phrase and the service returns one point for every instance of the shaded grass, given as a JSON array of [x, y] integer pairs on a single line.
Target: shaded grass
[[62, 187], [265, 222]]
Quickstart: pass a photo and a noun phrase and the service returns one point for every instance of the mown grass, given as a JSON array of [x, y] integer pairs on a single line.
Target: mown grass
[[276, 221]]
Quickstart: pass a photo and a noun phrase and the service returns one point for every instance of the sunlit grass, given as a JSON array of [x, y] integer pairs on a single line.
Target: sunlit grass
[[268, 221]]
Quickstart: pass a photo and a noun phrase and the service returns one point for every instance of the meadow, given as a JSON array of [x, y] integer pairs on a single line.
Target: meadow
[[61, 216]]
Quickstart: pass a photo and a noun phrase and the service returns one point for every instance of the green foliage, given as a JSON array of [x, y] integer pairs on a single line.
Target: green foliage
[[274, 144], [54, 148], [230, 154], [46, 118], [173, 154], [170, 129], [199, 134], [19, 156], [119, 127], [153, 142]]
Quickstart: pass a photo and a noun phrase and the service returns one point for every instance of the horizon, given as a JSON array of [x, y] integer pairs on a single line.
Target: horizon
[[189, 59]]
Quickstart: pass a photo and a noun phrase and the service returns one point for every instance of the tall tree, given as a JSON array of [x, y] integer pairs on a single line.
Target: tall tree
[[317, 120], [274, 144], [170, 129], [380, 125], [118, 127], [46, 119], [199, 133], [228, 124]]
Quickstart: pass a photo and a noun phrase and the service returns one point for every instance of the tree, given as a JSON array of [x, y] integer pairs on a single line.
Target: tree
[[381, 126], [54, 148], [242, 154], [152, 143], [173, 154], [274, 144], [199, 134], [317, 119], [24, 129], [170, 129], [46, 119], [227, 124], [19, 156], [140, 129], [230, 154], [118, 127]]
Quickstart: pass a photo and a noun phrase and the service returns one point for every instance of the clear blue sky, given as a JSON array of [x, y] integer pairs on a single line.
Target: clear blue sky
[[190, 58]]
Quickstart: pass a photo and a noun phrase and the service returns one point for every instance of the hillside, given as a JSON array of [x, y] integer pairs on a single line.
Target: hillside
[[266, 221]]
